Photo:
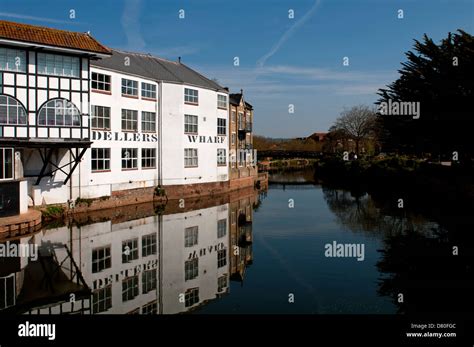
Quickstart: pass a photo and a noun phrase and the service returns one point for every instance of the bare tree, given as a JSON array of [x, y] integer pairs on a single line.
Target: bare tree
[[357, 123]]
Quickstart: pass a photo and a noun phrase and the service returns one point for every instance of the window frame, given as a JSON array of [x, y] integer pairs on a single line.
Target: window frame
[[221, 127], [129, 117], [106, 260], [7, 167], [191, 269], [133, 159], [148, 162], [149, 245], [191, 236], [65, 108], [191, 96], [221, 157], [149, 122], [54, 61], [10, 53], [189, 126], [11, 102], [148, 91], [104, 82], [220, 101], [126, 88], [191, 158], [104, 159], [101, 117], [130, 285]]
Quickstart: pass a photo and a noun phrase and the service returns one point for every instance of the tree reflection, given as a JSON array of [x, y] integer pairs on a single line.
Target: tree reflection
[[418, 259]]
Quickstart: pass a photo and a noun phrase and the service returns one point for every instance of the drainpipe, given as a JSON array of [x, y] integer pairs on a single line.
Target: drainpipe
[[160, 133]]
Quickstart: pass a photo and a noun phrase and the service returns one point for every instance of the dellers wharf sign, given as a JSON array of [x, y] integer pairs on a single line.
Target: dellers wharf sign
[[116, 136]]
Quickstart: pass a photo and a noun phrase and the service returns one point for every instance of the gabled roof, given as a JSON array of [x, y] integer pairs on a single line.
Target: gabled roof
[[158, 69], [236, 98], [51, 37]]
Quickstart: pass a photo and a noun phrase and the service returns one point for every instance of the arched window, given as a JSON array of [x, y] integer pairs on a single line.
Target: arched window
[[11, 111], [59, 112]]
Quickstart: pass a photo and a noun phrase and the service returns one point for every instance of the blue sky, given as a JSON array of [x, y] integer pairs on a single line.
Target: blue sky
[[282, 61]]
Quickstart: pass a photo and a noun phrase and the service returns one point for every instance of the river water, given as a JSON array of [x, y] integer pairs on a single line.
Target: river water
[[298, 248]]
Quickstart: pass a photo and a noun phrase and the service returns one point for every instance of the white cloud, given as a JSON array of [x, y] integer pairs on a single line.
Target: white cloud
[[131, 25]]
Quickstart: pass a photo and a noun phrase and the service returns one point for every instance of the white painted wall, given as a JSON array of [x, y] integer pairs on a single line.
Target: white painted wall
[[175, 140], [97, 184], [175, 255]]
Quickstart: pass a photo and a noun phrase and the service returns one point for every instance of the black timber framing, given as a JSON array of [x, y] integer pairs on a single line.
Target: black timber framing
[[77, 149]]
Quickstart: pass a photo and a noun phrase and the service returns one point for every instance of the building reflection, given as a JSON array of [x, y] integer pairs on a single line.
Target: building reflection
[[140, 260]]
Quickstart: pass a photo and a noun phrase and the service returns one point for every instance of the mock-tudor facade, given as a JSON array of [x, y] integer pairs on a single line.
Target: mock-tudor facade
[[44, 112]]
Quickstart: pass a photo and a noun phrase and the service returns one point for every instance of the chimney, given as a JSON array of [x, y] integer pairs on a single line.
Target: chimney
[[242, 91], [179, 60]]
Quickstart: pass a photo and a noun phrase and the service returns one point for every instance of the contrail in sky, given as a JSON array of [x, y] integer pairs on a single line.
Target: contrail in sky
[[288, 34]]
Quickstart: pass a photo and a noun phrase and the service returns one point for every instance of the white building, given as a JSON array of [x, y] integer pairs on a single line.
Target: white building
[[153, 122]]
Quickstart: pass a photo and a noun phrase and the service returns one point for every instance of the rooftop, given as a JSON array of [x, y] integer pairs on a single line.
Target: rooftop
[[52, 37], [155, 68]]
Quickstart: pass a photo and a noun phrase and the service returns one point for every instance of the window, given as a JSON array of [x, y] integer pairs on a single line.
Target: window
[[101, 82], [221, 283], [129, 250], [129, 158], [241, 121], [100, 117], [148, 245], [234, 117], [59, 112], [191, 236], [11, 111], [7, 291], [148, 90], [148, 122], [102, 299], [222, 101], [6, 160], [100, 159], [12, 60], [242, 157], [148, 281], [129, 288], [190, 124], [221, 258], [148, 158], [101, 259], [221, 157], [221, 227], [191, 269], [129, 120], [190, 157], [150, 308], [233, 139], [221, 126], [58, 65], [191, 297], [191, 96], [129, 87]]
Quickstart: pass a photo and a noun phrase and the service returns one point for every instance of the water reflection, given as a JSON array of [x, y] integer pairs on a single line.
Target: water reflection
[[426, 263], [136, 260]]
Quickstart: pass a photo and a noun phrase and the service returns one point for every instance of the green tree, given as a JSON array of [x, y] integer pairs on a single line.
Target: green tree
[[439, 77]]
